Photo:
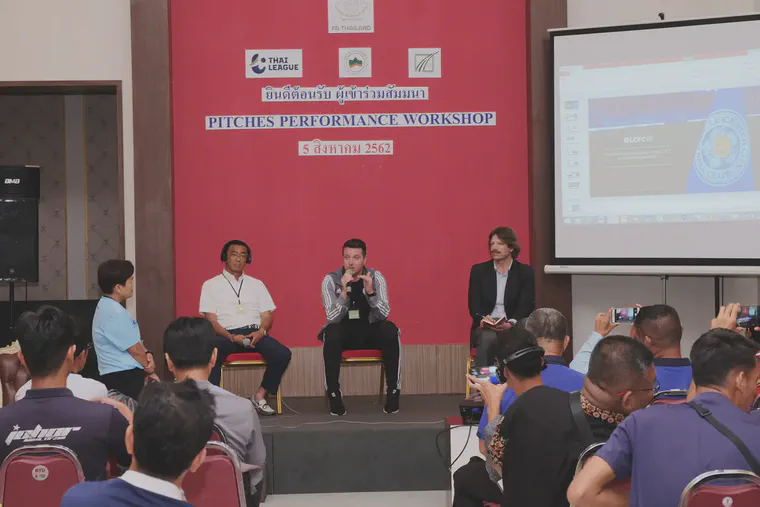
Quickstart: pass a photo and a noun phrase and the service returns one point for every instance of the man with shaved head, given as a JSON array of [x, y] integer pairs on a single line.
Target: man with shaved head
[[659, 328]]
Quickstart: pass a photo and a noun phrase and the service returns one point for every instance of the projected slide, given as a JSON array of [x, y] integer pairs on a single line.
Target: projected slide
[[657, 138], [689, 142]]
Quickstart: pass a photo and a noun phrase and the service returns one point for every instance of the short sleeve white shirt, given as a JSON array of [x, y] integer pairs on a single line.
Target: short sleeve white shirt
[[81, 387], [236, 303]]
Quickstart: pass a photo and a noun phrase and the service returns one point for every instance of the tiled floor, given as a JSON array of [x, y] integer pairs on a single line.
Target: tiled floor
[[405, 498]]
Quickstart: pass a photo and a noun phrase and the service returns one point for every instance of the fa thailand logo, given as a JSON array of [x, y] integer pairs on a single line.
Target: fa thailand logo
[[723, 154], [255, 61]]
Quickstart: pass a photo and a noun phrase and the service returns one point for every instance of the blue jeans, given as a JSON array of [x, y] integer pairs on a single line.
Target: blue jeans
[[274, 353]]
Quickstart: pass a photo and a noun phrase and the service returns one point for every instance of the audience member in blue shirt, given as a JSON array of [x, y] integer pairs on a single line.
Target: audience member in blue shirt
[[123, 360], [659, 328], [471, 483], [662, 448], [180, 417]]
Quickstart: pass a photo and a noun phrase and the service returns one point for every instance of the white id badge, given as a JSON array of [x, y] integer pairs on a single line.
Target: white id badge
[[353, 314], [240, 309]]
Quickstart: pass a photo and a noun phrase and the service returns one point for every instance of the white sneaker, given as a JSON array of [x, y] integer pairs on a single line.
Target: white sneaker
[[262, 407]]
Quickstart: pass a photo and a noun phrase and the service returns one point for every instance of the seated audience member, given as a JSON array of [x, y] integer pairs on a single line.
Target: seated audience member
[[356, 304], [242, 312], [123, 360], [167, 438], [501, 288], [81, 387], [472, 486], [93, 431], [191, 354], [661, 449], [659, 328], [540, 437]]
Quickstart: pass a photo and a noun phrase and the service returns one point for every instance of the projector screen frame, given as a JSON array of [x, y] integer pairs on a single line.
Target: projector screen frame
[[657, 262]]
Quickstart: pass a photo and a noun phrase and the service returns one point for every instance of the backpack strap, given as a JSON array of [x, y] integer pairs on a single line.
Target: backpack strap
[[579, 415], [705, 414]]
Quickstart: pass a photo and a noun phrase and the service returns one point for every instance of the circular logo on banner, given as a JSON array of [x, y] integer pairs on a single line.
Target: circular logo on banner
[[723, 153], [728, 501], [356, 61], [351, 8], [40, 473]]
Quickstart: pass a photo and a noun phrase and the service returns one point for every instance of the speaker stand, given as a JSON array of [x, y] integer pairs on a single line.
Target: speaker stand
[[11, 300]]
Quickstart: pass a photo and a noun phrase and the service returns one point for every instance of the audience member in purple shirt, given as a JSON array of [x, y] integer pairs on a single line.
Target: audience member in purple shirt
[[662, 448]]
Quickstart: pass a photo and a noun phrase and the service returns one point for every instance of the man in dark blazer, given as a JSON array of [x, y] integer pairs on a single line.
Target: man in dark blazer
[[499, 288]]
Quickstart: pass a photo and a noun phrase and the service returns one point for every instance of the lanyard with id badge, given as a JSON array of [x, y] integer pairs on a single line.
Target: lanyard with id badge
[[353, 311], [240, 306]]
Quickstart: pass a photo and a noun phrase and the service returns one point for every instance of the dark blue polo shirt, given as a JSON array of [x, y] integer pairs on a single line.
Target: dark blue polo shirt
[[556, 375], [116, 493], [673, 373], [662, 448], [94, 431]]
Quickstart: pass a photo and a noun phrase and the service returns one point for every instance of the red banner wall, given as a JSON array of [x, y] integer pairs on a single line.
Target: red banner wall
[[425, 211]]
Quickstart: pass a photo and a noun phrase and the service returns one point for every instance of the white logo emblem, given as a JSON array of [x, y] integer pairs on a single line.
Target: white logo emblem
[[355, 62], [39, 434], [728, 501], [12, 181], [424, 62], [40, 473], [350, 16], [723, 153]]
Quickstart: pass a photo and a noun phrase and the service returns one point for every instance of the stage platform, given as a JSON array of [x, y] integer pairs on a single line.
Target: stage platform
[[365, 450]]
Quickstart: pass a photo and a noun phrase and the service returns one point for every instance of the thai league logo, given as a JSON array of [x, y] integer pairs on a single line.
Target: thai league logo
[[257, 64], [723, 154]]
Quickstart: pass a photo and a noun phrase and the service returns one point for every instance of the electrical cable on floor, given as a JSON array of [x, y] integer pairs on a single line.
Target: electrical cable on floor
[[291, 408], [438, 446]]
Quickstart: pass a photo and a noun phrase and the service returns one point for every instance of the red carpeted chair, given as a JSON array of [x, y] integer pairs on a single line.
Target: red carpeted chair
[[360, 357], [669, 397], [247, 359], [739, 488], [219, 480], [38, 475]]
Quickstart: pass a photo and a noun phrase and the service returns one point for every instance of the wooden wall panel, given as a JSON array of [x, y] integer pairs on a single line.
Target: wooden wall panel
[[553, 291], [154, 229], [425, 369]]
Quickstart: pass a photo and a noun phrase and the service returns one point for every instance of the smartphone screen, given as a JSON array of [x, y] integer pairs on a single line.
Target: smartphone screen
[[748, 317], [624, 315], [486, 372]]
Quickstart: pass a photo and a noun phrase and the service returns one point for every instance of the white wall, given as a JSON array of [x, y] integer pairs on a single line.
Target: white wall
[[74, 40], [693, 297]]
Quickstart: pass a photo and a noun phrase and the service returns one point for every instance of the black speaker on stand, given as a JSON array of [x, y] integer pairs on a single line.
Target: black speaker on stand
[[19, 230]]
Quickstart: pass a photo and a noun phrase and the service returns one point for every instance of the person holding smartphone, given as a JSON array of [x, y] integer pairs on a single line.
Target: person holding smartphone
[[501, 292], [356, 304]]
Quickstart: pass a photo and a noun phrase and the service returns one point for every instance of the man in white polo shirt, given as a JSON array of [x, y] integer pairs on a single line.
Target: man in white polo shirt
[[241, 311]]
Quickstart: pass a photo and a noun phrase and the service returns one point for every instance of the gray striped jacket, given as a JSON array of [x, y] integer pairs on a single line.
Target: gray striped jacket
[[336, 306]]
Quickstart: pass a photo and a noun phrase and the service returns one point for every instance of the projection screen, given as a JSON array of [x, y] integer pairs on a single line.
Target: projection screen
[[657, 143]]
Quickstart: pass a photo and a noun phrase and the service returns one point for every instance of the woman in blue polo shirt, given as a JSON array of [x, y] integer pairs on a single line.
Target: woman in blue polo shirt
[[123, 360]]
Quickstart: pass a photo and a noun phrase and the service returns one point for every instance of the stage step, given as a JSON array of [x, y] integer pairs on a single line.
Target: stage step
[[366, 450]]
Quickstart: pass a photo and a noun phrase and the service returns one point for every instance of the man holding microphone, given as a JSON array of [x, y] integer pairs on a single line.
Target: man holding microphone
[[356, 303]]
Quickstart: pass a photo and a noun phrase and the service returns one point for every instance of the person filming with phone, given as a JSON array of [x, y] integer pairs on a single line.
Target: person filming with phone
[[659, 328], [356, 304], [501, 292]]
